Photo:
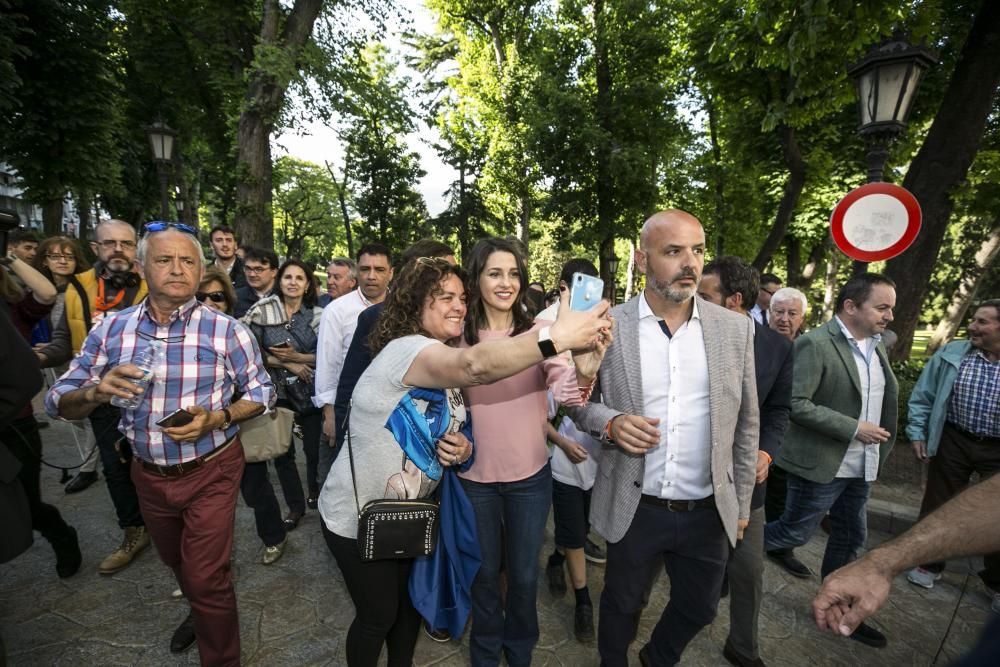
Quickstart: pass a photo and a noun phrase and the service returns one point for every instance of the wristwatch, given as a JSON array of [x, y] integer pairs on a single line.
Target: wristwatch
[[545, 344], [227, 419]]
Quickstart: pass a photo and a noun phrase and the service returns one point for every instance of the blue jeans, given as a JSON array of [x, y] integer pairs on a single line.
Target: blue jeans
[[805, 506], [510, 519]]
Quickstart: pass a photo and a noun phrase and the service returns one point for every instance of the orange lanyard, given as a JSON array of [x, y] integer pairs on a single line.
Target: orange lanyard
[[101, 304]]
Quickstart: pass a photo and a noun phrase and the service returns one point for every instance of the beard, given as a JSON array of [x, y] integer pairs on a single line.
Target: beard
[[666, 289], [118, 264]]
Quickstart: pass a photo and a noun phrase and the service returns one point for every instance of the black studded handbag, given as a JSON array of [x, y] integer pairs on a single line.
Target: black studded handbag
[[393, 529]]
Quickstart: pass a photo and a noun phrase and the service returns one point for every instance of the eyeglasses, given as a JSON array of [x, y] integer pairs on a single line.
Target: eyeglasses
[[160, 226], [256, 269], [59, 257], [111, 245], [218, 297]]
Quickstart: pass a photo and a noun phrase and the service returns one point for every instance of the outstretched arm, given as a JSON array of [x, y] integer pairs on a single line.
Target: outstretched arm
[[963, 526]]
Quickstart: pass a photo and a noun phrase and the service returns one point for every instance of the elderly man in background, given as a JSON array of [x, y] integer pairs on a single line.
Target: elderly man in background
[[787, 312], [187, 475], [341, 278]]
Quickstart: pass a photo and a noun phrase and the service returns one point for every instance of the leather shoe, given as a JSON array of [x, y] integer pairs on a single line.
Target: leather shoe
[[734, 658], [80, 482], [869, 636], [183, 636], [292, 520], [312, 503], [790, 563]]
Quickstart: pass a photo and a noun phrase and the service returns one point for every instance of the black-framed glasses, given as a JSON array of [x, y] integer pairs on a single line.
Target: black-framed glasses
[[256, 269], [60, 257], [217, 297], [161, 226]]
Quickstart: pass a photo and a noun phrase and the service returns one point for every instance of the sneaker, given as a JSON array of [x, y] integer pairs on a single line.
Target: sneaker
[[136, 539], [272, 554], [557, 579], [439, 636], [177, 594], [594, 553], [923, 578], [869, 636], [583, 623], [995, 605]]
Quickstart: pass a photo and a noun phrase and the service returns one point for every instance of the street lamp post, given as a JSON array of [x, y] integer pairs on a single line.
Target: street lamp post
[[887, 78], [161, 139], [611, 261]]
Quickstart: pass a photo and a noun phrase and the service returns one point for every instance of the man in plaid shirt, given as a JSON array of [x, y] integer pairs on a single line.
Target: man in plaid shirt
[[187, 477], [954, 423]]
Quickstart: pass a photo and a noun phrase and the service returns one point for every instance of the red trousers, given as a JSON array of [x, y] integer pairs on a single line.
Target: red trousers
[[190, 520]]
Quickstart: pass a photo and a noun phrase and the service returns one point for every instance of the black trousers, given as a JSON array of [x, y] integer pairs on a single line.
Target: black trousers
[[958, 456], [384, 613], [774, 495], [694, 549], [104, 420], [23, 441], [258, 494]]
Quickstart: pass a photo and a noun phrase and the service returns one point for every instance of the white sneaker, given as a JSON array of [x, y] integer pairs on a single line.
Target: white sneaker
[[925, 578]]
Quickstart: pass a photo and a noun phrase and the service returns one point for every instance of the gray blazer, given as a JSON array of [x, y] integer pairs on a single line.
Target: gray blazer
[[733, 408]]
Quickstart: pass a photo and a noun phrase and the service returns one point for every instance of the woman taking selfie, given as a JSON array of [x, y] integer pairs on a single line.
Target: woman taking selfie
[[424, 311], [285, 325], [510, 486]]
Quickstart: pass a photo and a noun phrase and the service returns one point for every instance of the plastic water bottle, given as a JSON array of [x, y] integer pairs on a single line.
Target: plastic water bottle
[[147, 361]]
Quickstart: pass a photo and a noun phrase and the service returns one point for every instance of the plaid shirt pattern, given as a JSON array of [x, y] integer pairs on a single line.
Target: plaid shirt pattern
[[209, 356], [975, 397]]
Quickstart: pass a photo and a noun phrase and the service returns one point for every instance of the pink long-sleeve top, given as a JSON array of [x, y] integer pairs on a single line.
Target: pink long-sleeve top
[[509, 416]]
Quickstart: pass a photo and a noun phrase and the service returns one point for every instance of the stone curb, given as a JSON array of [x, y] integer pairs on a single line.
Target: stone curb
[[890, 517]]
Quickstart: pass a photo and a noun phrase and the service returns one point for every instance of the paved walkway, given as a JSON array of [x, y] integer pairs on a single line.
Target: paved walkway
[[297, 611]]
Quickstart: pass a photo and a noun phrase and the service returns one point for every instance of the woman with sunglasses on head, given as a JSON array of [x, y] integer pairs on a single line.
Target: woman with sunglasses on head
[[423, 313], [285, 324], [510, 486], [58, 259]]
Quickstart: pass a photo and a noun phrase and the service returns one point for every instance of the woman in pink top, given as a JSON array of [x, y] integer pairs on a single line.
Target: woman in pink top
[[510, 485]]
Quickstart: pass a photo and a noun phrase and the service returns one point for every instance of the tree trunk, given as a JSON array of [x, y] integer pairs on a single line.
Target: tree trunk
[[630, 271], [52, 215], [262, 105], [793, 261], [966, 292], [812, 264], [789, 198], [941, 165], [83, 212]]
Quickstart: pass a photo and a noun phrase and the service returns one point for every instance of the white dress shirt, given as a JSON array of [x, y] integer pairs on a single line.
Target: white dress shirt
[[675, 390], [757, 314], [861, 460], [336, 330]]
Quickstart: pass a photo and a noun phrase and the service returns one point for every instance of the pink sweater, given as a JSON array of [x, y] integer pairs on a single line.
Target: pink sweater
[[509, 416]]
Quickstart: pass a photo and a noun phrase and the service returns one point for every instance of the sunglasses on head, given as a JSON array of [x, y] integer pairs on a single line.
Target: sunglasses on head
[[160, 226], [217, 297]]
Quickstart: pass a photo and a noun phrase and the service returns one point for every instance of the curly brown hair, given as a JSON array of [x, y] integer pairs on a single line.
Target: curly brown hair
[[401, 315]]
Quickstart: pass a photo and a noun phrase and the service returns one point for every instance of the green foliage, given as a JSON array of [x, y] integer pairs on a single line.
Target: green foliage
[[907, 373], [59, 115], [306, 211]]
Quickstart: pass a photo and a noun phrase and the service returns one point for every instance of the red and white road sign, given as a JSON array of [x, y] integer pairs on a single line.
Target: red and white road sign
[[875, 222]]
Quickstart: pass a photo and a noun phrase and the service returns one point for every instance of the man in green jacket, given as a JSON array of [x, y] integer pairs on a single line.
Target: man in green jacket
[[954, 421], [843, 425]]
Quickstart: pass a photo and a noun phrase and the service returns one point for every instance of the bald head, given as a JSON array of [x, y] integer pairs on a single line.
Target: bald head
[[672, 254], [670, 218]]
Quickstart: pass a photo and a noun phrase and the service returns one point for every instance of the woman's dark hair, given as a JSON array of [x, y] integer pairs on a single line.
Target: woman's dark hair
[[59, 243], [215, 274], [309, 298], [402, 314], [478, 257]]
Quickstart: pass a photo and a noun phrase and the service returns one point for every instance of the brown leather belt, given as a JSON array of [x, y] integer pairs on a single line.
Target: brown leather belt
[[178, 469], [679, 505]]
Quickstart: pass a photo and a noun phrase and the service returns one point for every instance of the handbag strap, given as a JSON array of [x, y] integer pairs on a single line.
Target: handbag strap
[[350, 454]]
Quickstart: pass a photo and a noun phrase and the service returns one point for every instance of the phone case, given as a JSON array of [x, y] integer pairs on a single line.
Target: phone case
[[586, 292]]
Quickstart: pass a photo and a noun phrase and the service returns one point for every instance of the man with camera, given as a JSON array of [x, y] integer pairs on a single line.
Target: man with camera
[[112, 285], [186, 472]]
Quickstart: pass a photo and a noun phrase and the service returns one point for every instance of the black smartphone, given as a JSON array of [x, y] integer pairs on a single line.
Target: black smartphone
[[176, 418]]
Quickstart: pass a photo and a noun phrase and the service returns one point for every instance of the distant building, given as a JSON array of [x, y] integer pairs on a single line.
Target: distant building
[[12, 197]]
